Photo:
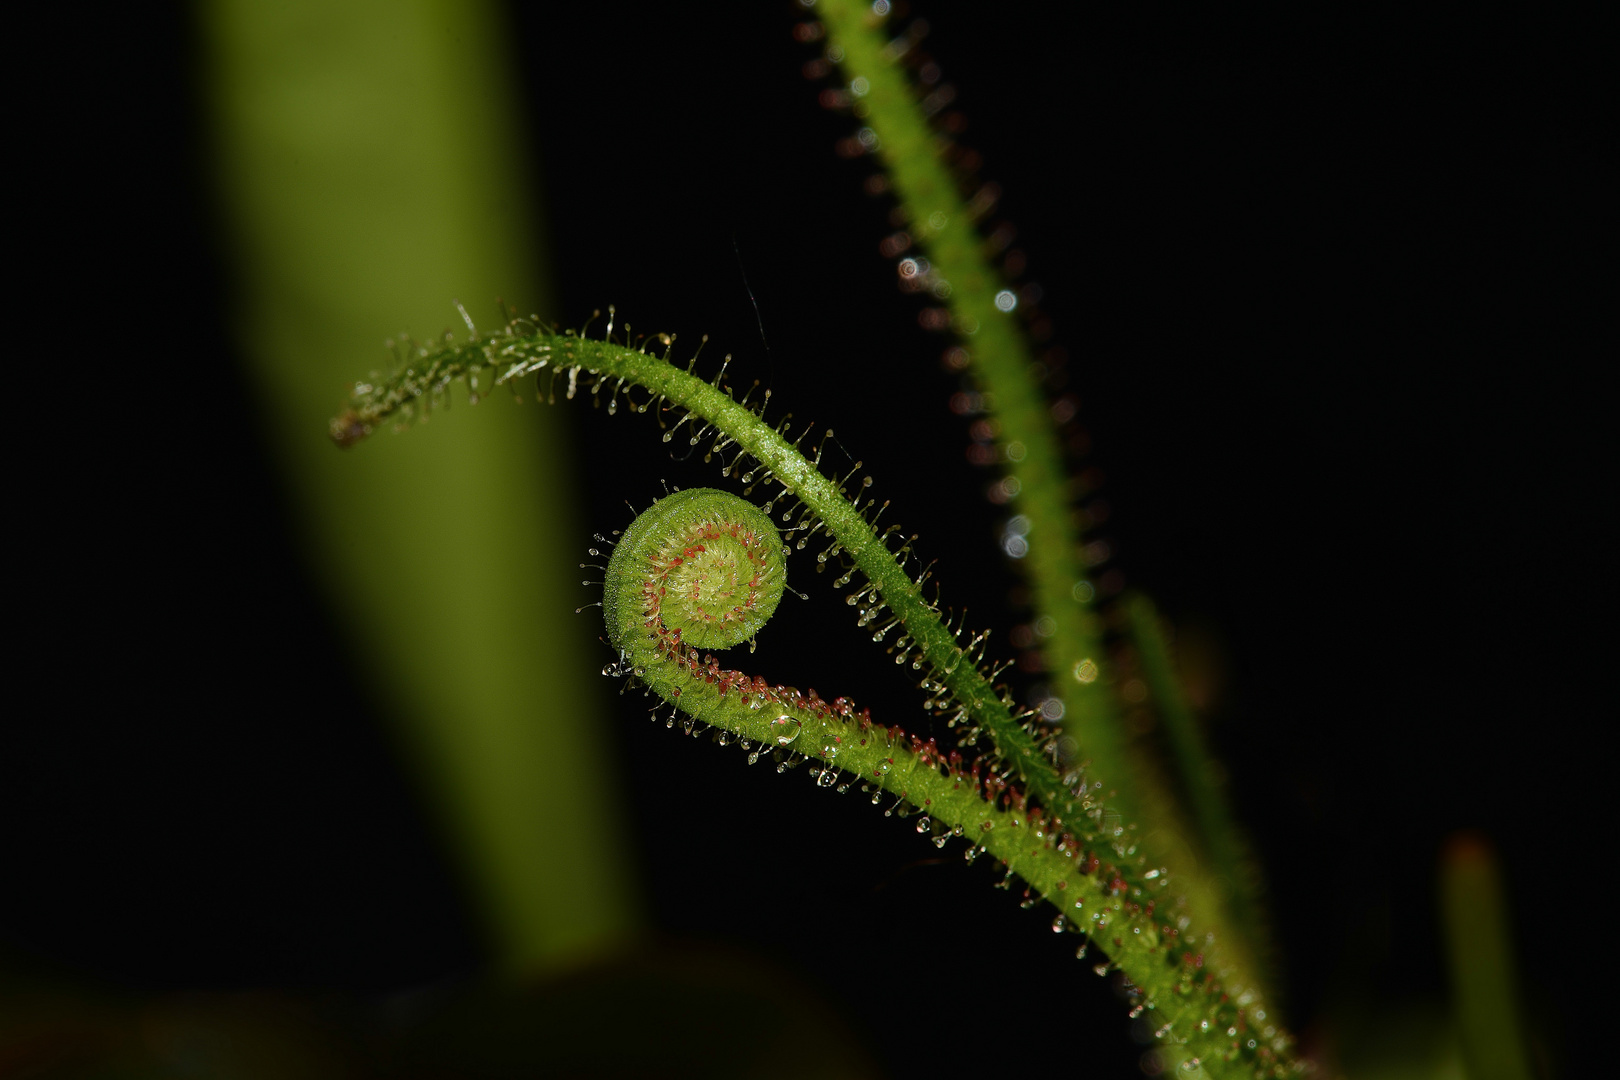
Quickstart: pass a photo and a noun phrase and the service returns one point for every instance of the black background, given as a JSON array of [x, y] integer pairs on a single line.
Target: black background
[[1329, 287]]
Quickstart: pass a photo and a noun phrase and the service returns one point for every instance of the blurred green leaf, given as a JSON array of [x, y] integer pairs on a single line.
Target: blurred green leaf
[[370, 172], [1479, 946]]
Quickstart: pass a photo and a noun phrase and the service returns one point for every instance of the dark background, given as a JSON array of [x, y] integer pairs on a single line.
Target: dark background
[[1328, 284]]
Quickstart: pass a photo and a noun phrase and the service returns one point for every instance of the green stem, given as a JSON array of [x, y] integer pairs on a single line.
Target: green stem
[[951, 668], [706, 566], [1053, 832], [1196, 777], [1473, 911], [944, 226]]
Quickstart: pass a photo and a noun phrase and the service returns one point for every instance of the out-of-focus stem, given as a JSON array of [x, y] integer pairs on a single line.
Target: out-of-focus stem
[[1479, 948], [368, 176], [1196, 775]]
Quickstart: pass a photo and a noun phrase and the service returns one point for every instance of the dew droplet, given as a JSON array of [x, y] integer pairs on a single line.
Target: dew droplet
[[923, 824], [1080, 953], [786, 734], [1100, 969], [1059, 924]]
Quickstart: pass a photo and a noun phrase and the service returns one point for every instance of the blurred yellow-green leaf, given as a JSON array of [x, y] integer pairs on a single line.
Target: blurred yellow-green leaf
[[370, 175], [1479, 948]]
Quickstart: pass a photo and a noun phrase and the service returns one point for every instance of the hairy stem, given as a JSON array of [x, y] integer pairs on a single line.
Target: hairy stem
[[944, 226], [1052, 831], [704, 565]]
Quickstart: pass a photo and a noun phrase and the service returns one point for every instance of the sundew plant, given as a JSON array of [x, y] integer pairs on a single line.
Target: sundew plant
[[1046, 788], [1017, 753], [810, 540]]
